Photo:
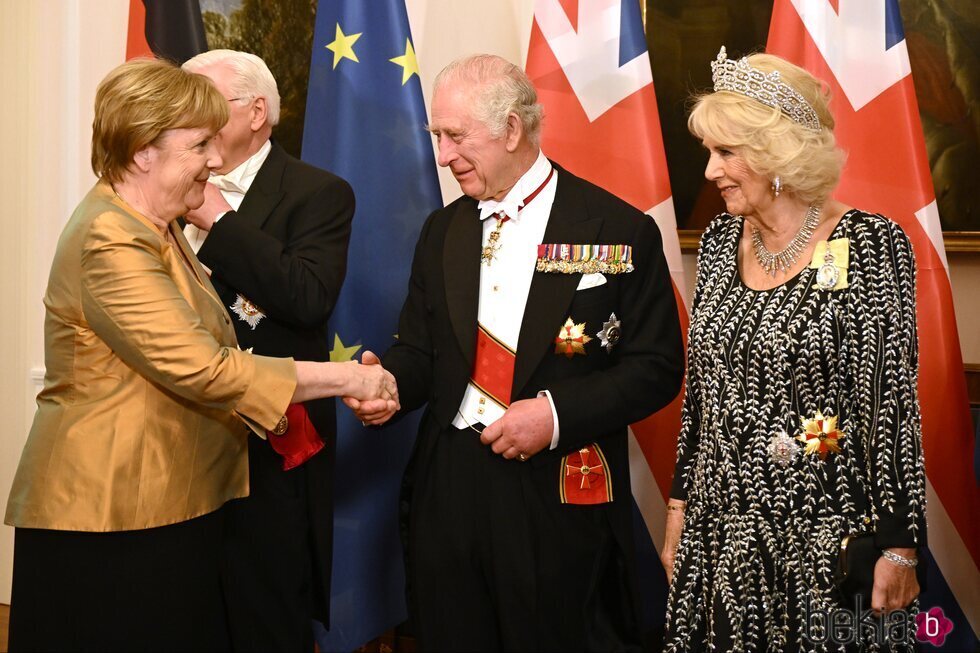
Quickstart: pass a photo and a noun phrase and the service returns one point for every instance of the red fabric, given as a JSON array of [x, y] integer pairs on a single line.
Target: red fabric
[[585, 477], [300, 442], [136, 45], [493, 367], [622, 151]]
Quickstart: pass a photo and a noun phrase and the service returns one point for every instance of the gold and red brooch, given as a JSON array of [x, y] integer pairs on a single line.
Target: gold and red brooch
[[820, 435], [571, 339]]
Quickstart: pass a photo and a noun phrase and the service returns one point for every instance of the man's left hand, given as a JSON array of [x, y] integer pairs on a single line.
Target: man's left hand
[[526, 428], [214, 205]]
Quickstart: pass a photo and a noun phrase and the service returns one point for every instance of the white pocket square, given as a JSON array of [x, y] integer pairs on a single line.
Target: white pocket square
[[591, 281]]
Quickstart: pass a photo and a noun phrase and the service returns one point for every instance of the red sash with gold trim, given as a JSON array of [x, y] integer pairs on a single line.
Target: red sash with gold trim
[[493, 367], [585, 477]]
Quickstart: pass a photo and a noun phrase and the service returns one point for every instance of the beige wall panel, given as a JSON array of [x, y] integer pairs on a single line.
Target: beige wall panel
[[964, 275], [444, 30], [56, 52]]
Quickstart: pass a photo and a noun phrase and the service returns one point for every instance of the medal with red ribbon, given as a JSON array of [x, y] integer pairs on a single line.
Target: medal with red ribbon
[[585, 478]]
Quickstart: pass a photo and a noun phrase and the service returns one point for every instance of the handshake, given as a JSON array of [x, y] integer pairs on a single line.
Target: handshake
[[374, 409], [369, 389], [526, 427]]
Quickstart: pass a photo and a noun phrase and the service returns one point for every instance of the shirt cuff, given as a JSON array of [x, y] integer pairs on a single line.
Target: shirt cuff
[[554, 418]]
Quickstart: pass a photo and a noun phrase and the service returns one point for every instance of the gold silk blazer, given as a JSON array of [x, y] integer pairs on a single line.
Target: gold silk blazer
[[142, 420]]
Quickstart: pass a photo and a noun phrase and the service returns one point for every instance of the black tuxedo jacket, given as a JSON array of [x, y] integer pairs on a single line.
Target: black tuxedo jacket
[[596, 395], [285, 250]]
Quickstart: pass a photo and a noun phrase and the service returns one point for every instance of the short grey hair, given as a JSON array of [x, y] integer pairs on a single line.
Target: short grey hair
[[500, 88], [252, 78]]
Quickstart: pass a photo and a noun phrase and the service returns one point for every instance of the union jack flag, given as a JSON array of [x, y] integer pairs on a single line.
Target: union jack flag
[[858, 48], [589, 64]]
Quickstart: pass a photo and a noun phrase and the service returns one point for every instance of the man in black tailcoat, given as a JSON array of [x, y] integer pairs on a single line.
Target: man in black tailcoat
[[540, 322], [274, 232]]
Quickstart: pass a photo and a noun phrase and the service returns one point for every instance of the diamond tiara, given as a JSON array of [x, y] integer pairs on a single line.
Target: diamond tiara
[[740, 77]]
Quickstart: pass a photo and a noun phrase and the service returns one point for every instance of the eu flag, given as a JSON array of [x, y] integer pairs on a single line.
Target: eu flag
[[365, 121]]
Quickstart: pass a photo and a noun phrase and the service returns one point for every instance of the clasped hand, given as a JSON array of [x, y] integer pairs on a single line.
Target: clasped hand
[[361, 382], [373, 411], [526, 428], [372, 383]]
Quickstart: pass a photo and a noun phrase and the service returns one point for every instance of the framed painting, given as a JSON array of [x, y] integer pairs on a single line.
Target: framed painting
[[943, 38]]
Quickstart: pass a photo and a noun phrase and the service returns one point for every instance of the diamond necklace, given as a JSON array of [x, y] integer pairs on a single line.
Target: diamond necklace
[[773, 262]]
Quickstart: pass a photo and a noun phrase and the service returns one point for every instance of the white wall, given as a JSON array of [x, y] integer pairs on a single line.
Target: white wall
[[444, 30], [56, 51]]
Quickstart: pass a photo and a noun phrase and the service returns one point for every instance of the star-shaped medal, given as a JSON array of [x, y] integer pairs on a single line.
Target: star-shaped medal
[[571, 339], [783, 448], [247, 311], [820, 435], [611, 333]]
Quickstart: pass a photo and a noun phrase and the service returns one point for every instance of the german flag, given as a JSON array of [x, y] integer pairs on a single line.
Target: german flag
[[169, 29]]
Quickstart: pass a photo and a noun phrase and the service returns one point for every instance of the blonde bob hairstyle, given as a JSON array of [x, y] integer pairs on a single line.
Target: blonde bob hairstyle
[[499, 88], [808, 163], [140, 100]]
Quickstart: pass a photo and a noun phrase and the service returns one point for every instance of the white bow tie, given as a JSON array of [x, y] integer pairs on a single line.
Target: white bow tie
[[226, 184]]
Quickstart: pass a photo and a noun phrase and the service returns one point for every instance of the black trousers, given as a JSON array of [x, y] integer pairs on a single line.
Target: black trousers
[[150, 590], [266, 563], [495, 562]]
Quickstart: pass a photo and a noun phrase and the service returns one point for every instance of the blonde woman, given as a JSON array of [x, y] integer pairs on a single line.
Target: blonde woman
[[801, 422], [140, 432]]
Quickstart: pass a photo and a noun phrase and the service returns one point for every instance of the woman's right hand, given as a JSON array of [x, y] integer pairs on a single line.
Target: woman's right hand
[[369, 382], [362, 382], [672, 537]]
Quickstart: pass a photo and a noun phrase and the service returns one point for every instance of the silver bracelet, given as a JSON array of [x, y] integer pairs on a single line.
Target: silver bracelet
[[901, 561]]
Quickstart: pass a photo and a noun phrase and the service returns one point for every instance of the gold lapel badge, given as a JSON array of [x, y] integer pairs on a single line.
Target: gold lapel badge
[[820, 435], [247, 311], [571, 339]]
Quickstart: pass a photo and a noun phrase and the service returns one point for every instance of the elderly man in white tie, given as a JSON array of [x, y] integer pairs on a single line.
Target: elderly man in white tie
[[540, 322], [274, 233]]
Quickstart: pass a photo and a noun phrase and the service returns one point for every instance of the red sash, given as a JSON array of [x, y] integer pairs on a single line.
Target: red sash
[[585, 478], [493, 367]]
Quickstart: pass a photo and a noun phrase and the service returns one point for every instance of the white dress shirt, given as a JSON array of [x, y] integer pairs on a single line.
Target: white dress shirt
[[233, 187], [506, 281]]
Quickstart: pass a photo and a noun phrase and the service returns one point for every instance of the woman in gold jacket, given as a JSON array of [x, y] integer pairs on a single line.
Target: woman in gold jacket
[[140, 432]]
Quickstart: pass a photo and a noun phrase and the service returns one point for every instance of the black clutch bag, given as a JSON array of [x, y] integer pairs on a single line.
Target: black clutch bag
[[855, 573]]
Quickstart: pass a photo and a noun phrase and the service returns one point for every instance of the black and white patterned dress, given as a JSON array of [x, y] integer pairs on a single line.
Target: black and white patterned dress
[[761, 538]]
